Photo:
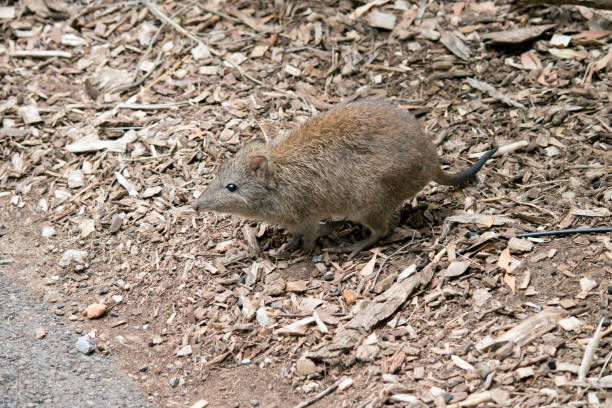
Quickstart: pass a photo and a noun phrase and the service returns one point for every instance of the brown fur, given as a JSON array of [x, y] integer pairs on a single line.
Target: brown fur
[[358, 161]]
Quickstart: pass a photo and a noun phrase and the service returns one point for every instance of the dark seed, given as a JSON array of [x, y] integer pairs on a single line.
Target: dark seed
[[552, 364]]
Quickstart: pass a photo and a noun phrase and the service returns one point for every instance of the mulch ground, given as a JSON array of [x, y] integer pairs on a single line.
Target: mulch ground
[[115, 116]]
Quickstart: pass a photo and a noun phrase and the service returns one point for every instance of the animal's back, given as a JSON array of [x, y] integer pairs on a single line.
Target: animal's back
[[354, 158]]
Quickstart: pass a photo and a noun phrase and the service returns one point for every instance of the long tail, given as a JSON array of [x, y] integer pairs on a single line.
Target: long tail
[[466, 175]]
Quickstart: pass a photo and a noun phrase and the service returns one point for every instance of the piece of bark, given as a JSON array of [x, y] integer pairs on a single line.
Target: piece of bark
[[599, 4]]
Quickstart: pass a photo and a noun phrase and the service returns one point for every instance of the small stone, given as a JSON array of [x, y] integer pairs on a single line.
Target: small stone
[[200, 52], [552, 364], [184, 351], [520, 245], [328, 277], [48, 231], [117, 298], [245, 361], [254, 402], [200, 404], [305, 366], [587, 284], [349, 297], [267, 360], [84, 345], [95, 310], [143, 369], [310, 387], [174, 381], [262, 317], [41, 332], [72, 255], [318, 258], [571, 323]]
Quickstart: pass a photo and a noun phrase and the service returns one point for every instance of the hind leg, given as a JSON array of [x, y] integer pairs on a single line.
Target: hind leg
[[379, 225]]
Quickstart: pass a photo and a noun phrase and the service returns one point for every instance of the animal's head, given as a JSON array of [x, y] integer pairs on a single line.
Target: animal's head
[[241, 186]]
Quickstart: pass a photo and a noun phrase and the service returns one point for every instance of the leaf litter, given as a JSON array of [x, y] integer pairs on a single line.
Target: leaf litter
[[119, 114]]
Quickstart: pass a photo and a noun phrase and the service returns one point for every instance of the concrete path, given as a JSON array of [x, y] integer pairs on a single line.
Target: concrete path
[[50, 372]]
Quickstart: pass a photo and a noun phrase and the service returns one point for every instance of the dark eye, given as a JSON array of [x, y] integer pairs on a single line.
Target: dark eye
[[231, 187]]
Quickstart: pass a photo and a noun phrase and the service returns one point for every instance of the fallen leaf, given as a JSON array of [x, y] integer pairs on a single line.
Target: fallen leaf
[[518, 35], [369, 267], [505, 260], [530, 60]]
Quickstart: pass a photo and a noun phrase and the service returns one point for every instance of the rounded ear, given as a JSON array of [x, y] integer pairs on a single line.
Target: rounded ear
[[259, 165]]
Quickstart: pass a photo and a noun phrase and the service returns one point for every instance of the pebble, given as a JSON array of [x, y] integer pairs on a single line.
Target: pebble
[[262, 317], [102, 292], [267, 360], [72, 255], [174, 381], [310, 387], [305, 366], [318, 258], [84, 345], [48, 232], [184, 351], [246, 361], [520, 245], [200, 404], [118, 298], [254, 402], [41, 332], [95, 310], [328, 277]]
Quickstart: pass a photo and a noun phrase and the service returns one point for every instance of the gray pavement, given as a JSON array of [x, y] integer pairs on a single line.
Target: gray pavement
[[50, 372]]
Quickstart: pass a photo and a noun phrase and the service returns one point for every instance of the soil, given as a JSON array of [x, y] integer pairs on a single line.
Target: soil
[[174, 279]]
